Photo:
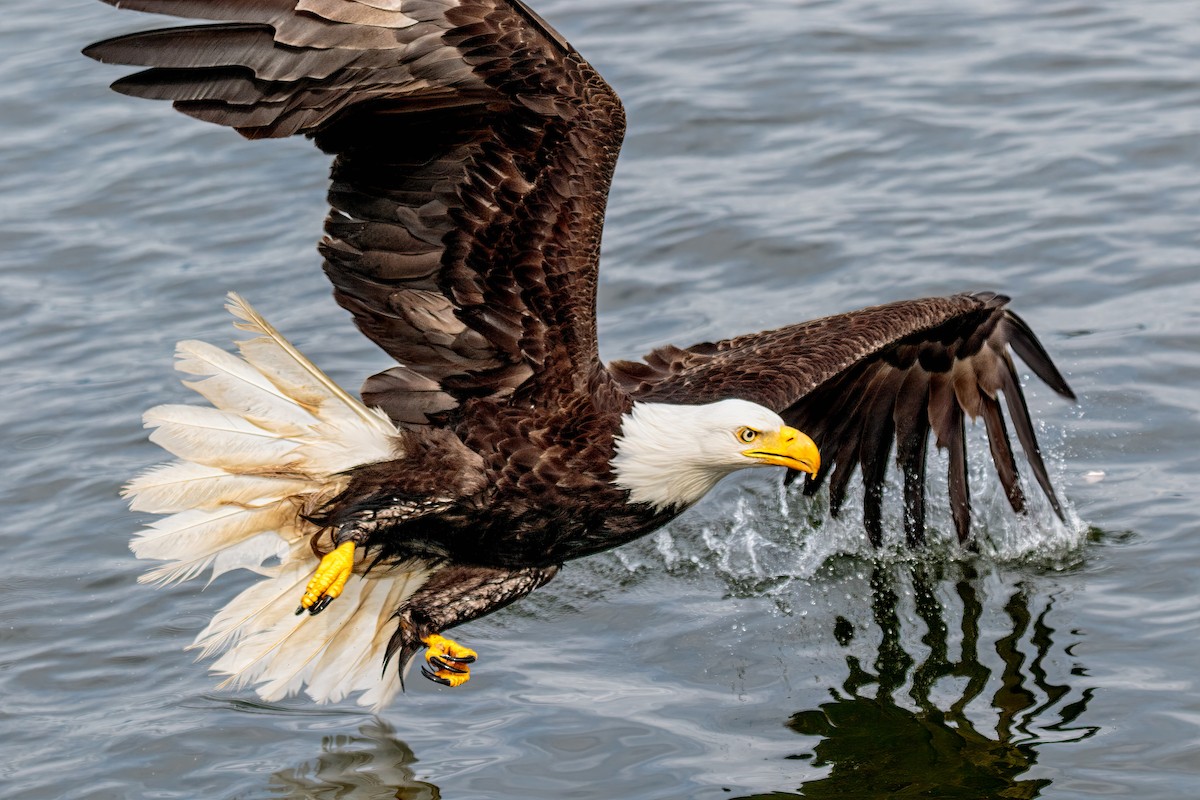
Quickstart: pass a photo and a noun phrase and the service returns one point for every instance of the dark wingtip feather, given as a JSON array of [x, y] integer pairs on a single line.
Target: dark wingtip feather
[[1002, 454], [132, 49], [960, 496], [1019, 412], [96, 50], [838, 484], [911, 450], [845, 462], [1025, 343], [206, 9], [910, 417], [139, 84], [914, 498], [874, 449]]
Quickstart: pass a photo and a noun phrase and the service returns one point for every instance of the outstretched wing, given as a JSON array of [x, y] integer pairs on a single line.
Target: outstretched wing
[[474, 150], [859, 382]]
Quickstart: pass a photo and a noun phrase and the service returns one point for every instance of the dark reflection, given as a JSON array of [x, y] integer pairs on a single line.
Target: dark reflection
[[879, 745], [373, 764]]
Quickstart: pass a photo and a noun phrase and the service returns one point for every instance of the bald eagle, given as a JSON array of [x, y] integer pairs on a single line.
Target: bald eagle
[[473, 149]]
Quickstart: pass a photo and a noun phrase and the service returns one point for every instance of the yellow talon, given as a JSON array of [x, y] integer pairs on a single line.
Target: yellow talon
[[446, 661], [329, 579]]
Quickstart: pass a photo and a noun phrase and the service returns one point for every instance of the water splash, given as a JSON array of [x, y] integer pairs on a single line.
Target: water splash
[[760, 538]]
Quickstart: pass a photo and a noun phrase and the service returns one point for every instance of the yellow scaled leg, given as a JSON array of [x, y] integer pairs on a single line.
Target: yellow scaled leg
[[329, 579], [446, 661]]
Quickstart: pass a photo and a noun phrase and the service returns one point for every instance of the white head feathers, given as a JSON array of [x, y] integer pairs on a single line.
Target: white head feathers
[[672, 455]]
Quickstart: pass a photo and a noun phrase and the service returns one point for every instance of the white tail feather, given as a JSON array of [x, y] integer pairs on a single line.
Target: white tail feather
[[252, 321], [218, 439], [278, 367], [190, 540], [232, 384], [245, 614], [182, 485], [271, 448]]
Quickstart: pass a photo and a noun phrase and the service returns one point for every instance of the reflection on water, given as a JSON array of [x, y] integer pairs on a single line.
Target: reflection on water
[[930, 744], [951, 690], [373, 764]]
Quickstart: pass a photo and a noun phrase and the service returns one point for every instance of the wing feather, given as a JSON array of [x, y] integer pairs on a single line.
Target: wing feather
[[912, 435], [1018, 411], [946, 420], [1002, 454], [473, 151], [874, 448]]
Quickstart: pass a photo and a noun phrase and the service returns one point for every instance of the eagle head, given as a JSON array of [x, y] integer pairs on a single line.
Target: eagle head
[[671, 455]]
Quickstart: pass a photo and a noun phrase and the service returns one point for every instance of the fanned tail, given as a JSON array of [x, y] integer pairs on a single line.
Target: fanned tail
[[272, 448]]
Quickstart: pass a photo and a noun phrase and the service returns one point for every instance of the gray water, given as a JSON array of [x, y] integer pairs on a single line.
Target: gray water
[[784, 160]]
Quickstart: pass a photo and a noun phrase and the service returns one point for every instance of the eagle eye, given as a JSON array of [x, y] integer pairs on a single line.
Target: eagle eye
[[747, 435]]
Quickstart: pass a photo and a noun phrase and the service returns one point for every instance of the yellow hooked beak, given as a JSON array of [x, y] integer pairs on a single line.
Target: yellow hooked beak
[[786, 447]]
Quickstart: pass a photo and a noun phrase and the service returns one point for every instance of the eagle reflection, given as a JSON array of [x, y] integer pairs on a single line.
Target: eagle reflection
[[372, 764], [924, 745]]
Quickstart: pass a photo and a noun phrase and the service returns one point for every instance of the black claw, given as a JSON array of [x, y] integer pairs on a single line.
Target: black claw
[[319, 606], [452, 660], [446, 663], [300, 610], [428, 673]]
